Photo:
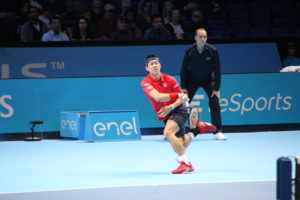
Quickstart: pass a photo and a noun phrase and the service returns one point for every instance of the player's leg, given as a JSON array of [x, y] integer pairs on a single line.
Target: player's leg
[[175, 134], [187, 139], [170, 131]]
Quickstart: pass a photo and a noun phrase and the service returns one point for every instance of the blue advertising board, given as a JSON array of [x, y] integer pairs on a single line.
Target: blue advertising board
[[112, 126], [51, 62], [246, 99], [19, 105], [72, 124], [256, 99]]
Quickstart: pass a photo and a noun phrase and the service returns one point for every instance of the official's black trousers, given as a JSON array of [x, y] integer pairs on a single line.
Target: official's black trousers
[[214, 102]]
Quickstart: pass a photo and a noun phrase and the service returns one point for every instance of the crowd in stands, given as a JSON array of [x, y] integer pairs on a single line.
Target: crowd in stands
[[127, 20]]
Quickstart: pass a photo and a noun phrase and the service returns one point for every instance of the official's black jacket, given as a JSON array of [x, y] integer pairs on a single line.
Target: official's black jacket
[[202, 67]]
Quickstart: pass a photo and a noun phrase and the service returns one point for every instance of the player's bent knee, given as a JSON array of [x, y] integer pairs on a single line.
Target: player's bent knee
[[168, 134]]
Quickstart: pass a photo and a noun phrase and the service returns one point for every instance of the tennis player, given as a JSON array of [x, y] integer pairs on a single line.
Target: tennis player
[[168, 101]]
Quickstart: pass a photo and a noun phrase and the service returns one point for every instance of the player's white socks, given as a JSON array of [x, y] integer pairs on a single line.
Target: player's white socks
[[183, 158]]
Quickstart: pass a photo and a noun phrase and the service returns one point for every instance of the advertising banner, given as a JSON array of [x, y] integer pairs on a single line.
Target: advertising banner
[[112, 126], [246, 99], [60, 62], [70, 125]]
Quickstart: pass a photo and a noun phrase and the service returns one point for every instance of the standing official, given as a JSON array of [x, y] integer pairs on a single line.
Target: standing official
[[201, 69]]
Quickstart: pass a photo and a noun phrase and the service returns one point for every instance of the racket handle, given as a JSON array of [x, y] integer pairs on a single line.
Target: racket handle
[[183, 98]]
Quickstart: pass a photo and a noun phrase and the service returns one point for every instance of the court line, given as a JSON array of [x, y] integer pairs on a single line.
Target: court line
[[123, 186]]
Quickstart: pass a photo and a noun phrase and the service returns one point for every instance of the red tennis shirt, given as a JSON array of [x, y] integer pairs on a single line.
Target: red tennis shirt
[[167, 84]]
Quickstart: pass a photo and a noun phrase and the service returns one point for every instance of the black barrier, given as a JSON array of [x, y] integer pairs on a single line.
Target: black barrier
[[297, 179], [284, 178], [285, 181]]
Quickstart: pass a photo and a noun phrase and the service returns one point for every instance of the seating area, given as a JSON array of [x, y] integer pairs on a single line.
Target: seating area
[[255, 19], [223, 19]]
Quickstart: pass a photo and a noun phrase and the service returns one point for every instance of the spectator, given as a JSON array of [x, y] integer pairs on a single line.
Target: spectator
[[189, 7], [33, 29], [55, 34], [88, 15], [23, 13], [125, 5], [196, 21], [97, 10], [144, 18], [167, 9], [81, 31], [108, 24], [130, 15], [175, 27], [157, 31], [46, 16], [123, 32], [154, 7], [291, 58]]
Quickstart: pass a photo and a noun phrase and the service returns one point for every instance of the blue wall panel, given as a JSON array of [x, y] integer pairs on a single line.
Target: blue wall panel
[[246, 99], [42, 62]]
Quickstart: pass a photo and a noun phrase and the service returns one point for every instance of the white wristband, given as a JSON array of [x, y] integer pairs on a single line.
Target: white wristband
[[182, 97], [172, 106]]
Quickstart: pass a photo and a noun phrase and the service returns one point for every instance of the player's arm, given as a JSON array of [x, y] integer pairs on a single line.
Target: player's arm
[[157, 96], [181, 94], [164, 111], [162, 97], [181, 98]]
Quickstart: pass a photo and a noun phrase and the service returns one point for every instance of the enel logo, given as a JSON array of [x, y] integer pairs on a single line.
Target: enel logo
[[125, 128]]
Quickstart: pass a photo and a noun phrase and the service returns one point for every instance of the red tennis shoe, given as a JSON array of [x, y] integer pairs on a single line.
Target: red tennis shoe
[[205, 127], [196, 125], [183, 167], [190, 168]]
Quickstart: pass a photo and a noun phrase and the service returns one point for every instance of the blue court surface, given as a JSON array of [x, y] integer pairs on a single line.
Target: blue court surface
[[243, 167]]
